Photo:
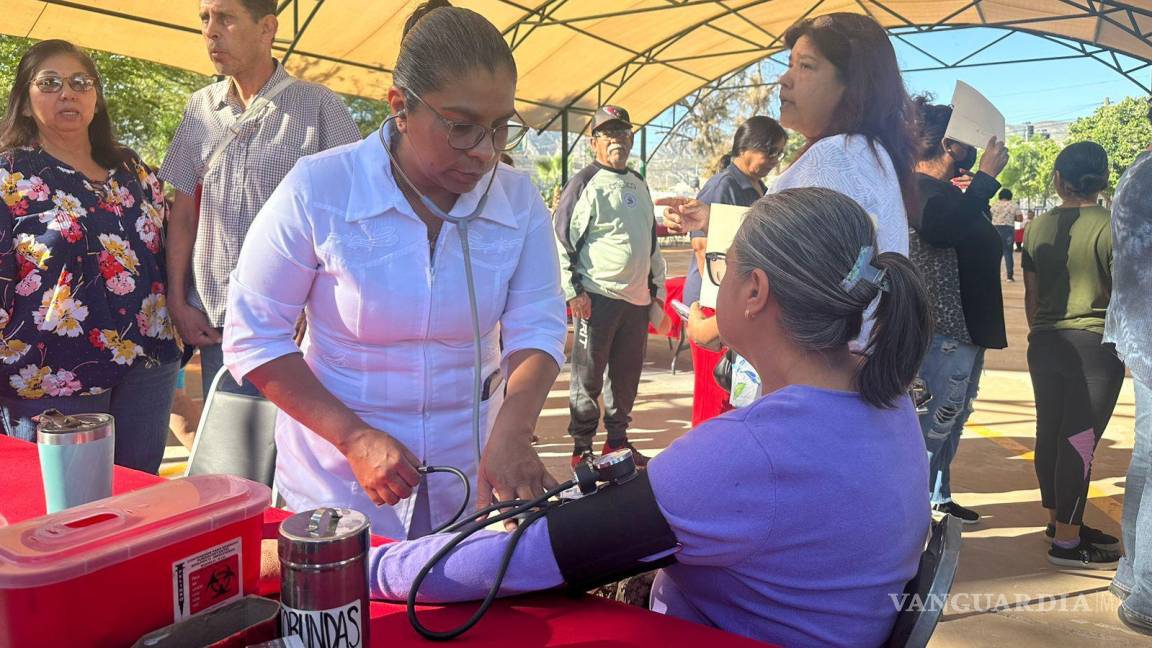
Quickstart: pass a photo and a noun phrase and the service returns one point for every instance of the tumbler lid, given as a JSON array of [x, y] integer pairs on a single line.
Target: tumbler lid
[[56, 428], [323, 536]]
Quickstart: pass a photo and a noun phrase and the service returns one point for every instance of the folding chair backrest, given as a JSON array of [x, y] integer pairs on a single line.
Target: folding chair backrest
[[236, 436], [926, 593]]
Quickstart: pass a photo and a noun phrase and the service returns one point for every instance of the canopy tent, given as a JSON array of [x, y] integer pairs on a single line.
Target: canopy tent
[[572, 54]]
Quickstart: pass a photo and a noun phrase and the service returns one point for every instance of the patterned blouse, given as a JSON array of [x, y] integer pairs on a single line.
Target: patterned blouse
[[1129, 323], [82, 280]]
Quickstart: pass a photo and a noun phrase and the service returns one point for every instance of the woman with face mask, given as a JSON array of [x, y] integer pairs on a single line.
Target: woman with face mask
[[358, 237], [956, 248]]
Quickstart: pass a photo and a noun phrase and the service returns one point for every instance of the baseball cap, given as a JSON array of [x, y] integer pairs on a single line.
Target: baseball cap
[[609, 114]]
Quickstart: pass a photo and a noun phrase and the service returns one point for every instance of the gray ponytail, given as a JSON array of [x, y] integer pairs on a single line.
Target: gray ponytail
[[807, 241]]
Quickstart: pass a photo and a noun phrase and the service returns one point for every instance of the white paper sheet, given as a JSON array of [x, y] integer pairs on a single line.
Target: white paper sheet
[[974, 119], [723, 221]]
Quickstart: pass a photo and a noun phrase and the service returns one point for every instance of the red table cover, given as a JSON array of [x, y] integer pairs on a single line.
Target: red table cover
[[535, 620]]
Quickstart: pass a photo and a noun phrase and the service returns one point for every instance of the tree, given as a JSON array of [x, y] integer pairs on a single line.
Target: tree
[[1123, 130], [716, 116], [548, 178], [146, 100], [1029, 170]]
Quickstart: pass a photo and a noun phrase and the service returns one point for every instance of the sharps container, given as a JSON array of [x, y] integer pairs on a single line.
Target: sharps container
[[324, 577], [76, 455]]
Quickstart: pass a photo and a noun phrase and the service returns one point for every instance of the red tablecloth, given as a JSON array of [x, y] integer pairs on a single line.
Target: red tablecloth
[[674, 286], [537, 620]]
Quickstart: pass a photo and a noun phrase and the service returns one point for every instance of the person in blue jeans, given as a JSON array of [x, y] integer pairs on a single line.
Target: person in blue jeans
[[958, 253], [1129, 327], [1005, 213], [84, 324]]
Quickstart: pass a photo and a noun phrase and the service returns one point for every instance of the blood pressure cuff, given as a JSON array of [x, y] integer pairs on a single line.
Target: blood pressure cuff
[[604, 537]]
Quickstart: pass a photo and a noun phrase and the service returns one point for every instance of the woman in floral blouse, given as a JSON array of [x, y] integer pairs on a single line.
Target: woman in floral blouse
[[83, 322]]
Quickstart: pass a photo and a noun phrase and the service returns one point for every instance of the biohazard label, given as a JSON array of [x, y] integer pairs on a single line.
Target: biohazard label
[[340, 627], [206, 580]]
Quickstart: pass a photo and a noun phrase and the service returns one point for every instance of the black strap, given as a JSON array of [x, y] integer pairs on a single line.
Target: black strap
[[602, 538]]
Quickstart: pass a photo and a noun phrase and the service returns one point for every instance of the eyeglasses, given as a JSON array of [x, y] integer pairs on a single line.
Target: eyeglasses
[[79, 82], [717, 264], [614, 133], [463, 136]]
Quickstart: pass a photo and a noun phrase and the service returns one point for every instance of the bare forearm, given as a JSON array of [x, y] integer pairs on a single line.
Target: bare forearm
[[288, 382], [531, 373]]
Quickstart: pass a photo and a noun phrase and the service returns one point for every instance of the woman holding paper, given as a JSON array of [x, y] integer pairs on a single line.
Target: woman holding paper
[[957, 250], [756, 149]]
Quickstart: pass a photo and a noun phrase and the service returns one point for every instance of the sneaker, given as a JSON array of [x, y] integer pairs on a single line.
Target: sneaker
[[1133, 622], [1092, 536], [582, 455], [637, 456], [1011, 280], [966, 515], [1083, 556]]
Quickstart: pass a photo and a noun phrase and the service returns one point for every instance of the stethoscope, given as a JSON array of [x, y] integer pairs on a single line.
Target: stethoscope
[[461, 223]]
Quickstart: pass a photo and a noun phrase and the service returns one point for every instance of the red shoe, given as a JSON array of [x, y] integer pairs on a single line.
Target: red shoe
[[640, 460], [580, 456]]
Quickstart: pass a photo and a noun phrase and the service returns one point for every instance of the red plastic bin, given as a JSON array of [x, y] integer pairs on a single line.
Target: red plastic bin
[[108, 572]]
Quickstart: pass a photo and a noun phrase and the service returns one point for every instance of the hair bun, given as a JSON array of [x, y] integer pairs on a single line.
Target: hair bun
[[1091, 183], [423, 9]]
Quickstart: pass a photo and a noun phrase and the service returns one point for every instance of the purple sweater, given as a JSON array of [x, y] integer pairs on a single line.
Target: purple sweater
[[801, 516]]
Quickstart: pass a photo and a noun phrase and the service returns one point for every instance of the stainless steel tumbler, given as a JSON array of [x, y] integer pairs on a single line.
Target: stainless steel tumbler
[[76, 454]]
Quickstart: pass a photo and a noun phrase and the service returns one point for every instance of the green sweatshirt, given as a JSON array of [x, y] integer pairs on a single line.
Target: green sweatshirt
[[606, 235]]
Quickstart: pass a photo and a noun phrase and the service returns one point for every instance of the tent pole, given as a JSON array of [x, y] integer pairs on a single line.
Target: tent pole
[[563, 148], [643, 152]]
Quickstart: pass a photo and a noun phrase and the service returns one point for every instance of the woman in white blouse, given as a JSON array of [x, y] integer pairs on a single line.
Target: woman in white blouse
[[385, 381], [843, 92]]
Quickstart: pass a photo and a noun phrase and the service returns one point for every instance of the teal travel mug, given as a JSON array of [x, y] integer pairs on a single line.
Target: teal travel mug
[[76, 454]]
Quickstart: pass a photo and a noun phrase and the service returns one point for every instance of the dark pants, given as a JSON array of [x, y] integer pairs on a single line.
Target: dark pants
[[211, 361], [1007, 239], [614, 338], [1076, 381], [140, 405]]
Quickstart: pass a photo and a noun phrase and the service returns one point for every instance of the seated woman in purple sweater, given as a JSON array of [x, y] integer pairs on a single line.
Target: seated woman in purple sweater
[[800, 517]]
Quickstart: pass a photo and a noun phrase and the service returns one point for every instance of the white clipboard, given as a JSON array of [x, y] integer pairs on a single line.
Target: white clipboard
[[723, 222], [974, 119]]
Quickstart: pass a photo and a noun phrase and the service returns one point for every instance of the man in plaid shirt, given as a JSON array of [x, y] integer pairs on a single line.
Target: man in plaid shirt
[[238, 139]]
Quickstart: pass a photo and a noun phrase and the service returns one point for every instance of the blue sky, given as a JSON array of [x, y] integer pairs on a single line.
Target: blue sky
[[1051, 90], [1024, 92]]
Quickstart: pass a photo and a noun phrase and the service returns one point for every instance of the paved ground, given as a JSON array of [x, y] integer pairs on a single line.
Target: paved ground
[[1006, 593]]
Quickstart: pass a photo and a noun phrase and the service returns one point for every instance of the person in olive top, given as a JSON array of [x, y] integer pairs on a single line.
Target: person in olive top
[[1067, 265], [957, 251], [611, 270]]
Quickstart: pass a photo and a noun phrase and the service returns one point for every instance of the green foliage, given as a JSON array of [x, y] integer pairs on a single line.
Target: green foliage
[[1123, 130], [548, 178], [1029, 170], [146, 100]]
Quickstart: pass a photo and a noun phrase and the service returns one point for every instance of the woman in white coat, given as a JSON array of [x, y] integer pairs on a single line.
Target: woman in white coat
[[385, 380]]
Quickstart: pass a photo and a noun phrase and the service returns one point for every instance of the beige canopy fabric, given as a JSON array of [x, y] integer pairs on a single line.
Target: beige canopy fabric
[[572, 54]]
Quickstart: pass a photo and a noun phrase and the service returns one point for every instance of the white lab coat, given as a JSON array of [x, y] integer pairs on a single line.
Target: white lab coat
[[390, 333]]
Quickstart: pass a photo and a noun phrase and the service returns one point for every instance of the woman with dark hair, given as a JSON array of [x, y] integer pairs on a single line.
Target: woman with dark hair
[[1067, 265], [957, 252], [364, 238], [1005, 214], [843, 92], [768, 562], [82, 302], [756, 149]]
